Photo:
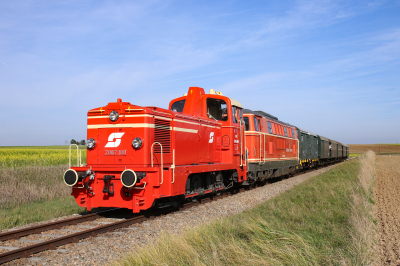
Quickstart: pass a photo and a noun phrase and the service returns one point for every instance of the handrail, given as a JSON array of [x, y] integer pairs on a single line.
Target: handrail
[[241, 142], [140, 187], [246, 150], [162, 164], [77, 156], [260, 149], [173, 166], [264, 148]]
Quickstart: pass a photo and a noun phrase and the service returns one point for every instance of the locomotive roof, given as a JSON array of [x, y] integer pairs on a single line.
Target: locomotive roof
[[266, 115], [261, 113]]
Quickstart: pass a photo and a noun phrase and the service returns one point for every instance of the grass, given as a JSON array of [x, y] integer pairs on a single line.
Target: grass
[[312, 224], [32, 188], [32, 183], [37, 211], [34, 193], [361, 217]]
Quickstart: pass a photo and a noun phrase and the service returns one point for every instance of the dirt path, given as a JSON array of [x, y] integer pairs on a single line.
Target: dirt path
[[387, 211]]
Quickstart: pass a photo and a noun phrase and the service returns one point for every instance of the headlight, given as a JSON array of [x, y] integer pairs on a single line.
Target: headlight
[[90, 143], [137, 143], [114, 116]]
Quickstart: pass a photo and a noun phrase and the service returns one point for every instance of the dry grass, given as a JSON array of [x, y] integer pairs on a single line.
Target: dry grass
[[361, 211], [307, 225], [32, 194], [32, 183], [377, 148]]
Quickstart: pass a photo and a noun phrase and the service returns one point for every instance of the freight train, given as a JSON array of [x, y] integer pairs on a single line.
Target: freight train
[[143, 157]]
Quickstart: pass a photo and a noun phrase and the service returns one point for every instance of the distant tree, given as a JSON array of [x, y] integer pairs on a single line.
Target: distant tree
[[83, 142], [73, 141]]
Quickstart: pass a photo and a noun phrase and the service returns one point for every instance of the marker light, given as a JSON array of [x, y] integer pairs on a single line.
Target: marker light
[[114, 116], [137, 143], [90, 143]]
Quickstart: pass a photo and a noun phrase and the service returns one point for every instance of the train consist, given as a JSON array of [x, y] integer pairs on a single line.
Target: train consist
[[143, 157]]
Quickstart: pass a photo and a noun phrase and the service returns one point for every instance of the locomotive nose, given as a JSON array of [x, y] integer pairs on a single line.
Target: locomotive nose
[[71, 177]]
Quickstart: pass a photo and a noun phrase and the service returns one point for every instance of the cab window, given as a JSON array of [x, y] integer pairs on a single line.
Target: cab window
[[217, 109], [293, 133], [284, 128], [246, 123], [178, 106], [259, 124]]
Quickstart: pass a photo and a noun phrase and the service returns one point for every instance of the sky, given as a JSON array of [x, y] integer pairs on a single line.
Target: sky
[[330, 67]]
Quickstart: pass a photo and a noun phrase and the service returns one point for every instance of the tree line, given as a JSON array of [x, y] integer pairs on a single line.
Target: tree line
[[82, 142]]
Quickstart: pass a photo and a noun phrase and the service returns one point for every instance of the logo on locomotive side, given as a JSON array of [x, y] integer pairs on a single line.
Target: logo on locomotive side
[[113, 144], [211, 137]]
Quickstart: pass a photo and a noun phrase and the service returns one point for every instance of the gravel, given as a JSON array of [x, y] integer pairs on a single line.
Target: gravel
[[109, 246]]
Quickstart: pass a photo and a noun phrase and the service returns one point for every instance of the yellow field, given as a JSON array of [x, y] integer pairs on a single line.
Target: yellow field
[[17, 157]]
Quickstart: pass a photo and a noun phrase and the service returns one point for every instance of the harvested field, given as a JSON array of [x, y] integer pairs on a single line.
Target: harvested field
[[377, 148], [387, 210]]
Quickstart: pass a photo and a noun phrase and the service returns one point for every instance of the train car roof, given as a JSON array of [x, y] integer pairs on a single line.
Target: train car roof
[[307, 132], [323, 138]]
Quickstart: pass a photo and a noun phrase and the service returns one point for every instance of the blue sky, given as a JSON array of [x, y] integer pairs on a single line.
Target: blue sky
[[332, 67]]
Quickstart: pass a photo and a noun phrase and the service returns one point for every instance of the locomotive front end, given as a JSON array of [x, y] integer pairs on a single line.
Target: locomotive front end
[[125, 160]]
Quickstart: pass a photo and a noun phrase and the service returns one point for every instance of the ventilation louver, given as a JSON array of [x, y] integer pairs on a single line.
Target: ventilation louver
[[162, 134]]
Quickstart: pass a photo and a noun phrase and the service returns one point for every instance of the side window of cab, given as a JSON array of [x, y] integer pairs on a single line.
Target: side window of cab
[[217, 109], [178, 106]]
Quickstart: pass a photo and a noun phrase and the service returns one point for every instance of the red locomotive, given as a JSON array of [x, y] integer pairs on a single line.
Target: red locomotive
[[143, 157], [140, 157], [272, 146]]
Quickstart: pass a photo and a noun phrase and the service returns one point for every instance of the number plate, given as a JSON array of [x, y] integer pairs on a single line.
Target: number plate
[[115, 153]]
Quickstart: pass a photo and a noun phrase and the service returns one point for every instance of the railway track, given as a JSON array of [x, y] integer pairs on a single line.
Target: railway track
[[52, 244]]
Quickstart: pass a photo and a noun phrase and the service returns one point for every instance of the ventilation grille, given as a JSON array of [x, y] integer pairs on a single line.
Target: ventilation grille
[[162, 134]]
